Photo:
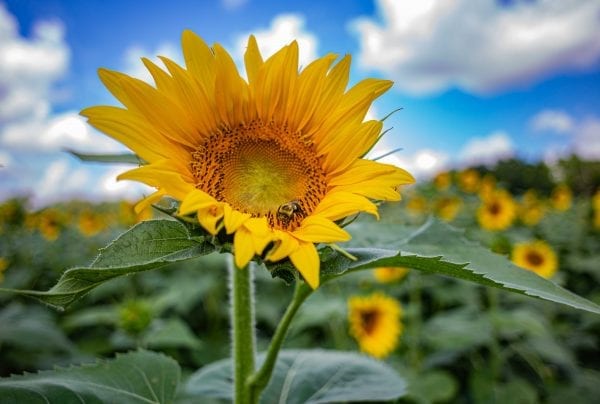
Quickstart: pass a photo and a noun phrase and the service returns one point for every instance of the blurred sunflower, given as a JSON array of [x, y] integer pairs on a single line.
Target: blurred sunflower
[[442, 181], [128, 215], [50, 223], [468, 180], [3, 266], [389, 274], [497, 211], [275, 160], [90, 223], [447, 207], [375, 323], [487, 185], [531, 208], [562, 197], [596, 209], [417, 204], [536, 256]]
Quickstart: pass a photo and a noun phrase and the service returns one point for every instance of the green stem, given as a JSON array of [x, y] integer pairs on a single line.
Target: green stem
[[242, 328], [259, 380]]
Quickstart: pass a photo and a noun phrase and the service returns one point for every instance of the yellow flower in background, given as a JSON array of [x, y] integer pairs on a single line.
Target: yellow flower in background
[[596, 200], [274, 161], [442, 181], [90, 223], [50, 222], [536, 256], [447, 207], [487, 185], [417, 204], [375, 323], [497, 211], [3, 265], [389, 274], [468, 180], [562, 197], [531, 214]]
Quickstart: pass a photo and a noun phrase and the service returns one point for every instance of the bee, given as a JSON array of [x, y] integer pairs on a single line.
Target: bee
[[286, 212]]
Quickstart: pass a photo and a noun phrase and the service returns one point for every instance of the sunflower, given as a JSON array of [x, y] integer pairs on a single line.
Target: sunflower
[[468, 180], [389, 274], [417, 204], [375, 323], [442, 181], [536, 256], [90, 223], [562, 197], [275, 160], [531, 209], [3, 265], [487, 185], [497, 211], [447, 207]]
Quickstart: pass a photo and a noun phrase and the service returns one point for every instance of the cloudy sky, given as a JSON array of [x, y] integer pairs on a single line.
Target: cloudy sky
[[477, 81]]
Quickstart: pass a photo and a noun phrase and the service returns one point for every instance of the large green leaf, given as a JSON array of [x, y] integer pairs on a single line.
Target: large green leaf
[[136, 377], [309, 376], [148, 245], [439, 248]]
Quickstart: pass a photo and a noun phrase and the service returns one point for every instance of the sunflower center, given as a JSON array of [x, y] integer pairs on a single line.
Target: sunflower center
[[261, 169], [534, 258], [495, 208], [369, 320]]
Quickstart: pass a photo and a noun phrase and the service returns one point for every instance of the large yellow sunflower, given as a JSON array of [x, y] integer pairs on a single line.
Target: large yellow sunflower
[[536, 256], [273, 160], [497, 211], [375, 323]]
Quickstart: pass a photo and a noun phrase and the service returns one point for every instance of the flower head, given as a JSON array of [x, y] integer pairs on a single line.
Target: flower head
[[389, 274], [536, 256], [497, 211], [562, 197], [447, 207], [274, 160], [375, 323], [468, 180]]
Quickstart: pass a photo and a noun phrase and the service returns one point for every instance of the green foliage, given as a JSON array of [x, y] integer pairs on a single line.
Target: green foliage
[[148, 245], [136, 377], [124, 158], [439, 248], [309, 376]]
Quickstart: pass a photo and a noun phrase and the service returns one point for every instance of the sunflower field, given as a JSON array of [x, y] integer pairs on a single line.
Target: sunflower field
[[412, 336]]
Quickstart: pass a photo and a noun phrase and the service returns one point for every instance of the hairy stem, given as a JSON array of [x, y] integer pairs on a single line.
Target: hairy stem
[[242, 328], [259, 380]]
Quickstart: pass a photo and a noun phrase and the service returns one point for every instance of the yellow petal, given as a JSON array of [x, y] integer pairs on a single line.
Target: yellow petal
[[252, 59], [306, 260], [285, 244], [195, 200], [318, 229], [338, 205], [147, 201], [243, 247], [233, 219], [209, 216], [199, 60], [363, 170]]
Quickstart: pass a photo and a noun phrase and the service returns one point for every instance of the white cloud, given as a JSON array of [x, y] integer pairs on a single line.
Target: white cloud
[[134, 66], [65, 131], [551, 120], [429, 46], [586, 139], [29, 67], [487, 150], [284, 29]]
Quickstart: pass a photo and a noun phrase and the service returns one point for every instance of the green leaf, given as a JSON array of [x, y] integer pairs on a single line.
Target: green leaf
[[431, 387], [439, 248], [147, 245], [123, 158], [136, 377], [172, 333], [309, 376]]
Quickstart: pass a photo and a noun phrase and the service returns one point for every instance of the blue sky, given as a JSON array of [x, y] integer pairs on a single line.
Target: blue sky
[[477, 81]]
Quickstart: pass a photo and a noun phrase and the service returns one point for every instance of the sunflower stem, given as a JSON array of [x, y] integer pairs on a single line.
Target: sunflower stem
[[259, 380], [242, 328]]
